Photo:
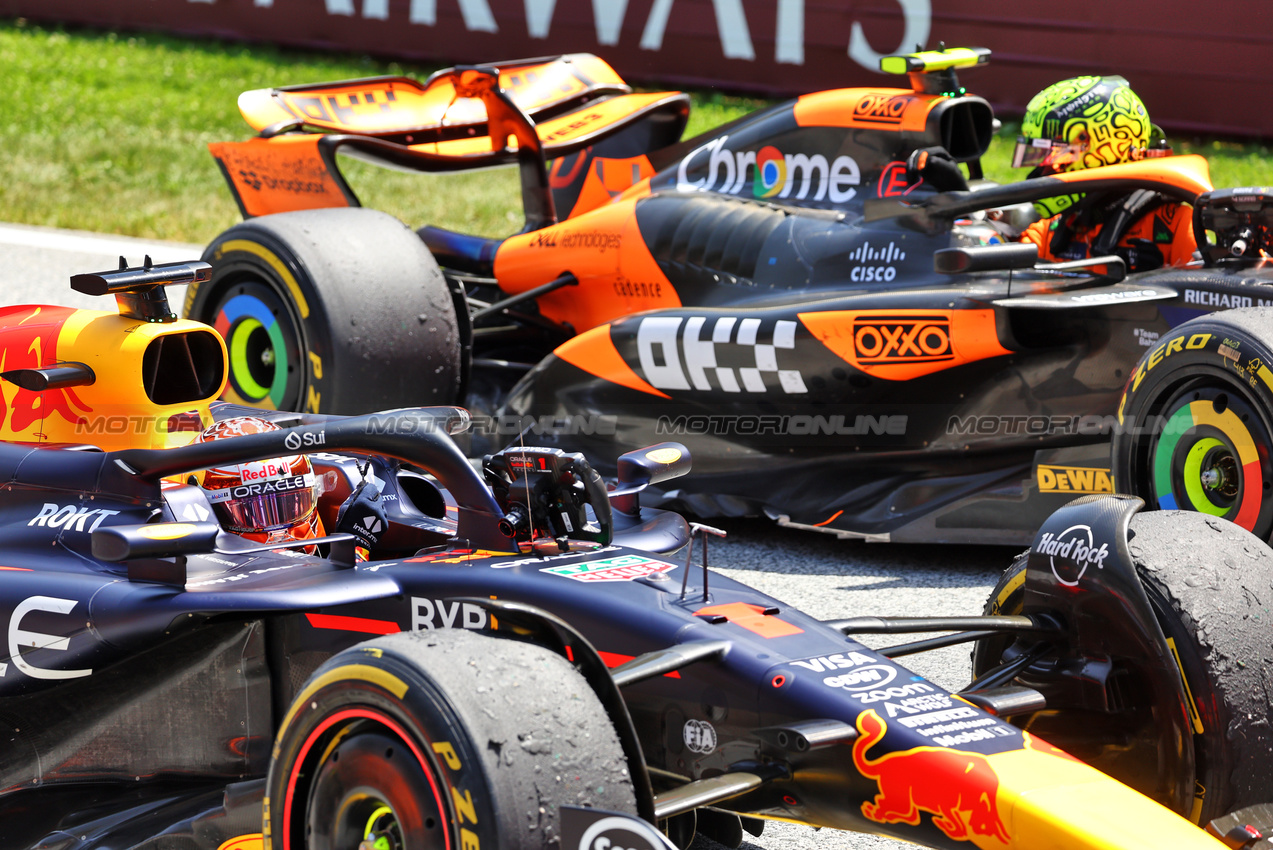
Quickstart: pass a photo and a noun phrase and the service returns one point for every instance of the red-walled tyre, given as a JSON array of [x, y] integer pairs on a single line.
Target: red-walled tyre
[[442, 739]]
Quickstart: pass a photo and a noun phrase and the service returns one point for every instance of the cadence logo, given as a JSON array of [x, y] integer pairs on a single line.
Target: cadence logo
[[902, 339], [776, 174]]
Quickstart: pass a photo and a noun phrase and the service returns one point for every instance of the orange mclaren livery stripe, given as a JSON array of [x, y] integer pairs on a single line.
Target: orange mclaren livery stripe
[[279, 174], [895, 109], [608, 179], [607, 255], [594, 353], [900, 345], [1188, 171]]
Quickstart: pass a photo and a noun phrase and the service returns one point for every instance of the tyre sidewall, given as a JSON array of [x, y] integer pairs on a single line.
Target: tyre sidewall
[[1212, 349], [374, 311], [466, 792], [243, 253]]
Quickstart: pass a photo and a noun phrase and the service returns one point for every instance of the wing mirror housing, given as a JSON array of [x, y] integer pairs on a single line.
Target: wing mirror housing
[[641, 468], [986, 258]]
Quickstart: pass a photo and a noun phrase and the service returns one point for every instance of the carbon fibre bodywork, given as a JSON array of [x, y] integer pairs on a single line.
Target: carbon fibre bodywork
[[141, 697], [766, 292]]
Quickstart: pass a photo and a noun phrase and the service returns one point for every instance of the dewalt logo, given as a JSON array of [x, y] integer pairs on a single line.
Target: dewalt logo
[[902, 339], [1074, 479]]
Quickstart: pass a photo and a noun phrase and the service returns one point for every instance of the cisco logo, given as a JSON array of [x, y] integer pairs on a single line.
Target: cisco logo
[[875, 265]]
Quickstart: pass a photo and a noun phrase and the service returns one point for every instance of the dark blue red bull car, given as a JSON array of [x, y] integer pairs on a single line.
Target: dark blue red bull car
[[521, 658]]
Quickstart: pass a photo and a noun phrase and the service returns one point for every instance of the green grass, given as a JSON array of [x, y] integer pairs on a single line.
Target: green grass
[[109, 132]]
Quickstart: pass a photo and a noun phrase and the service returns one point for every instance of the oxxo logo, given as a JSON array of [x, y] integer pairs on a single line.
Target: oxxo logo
[[882, 108], [902, 339], [1071, 552], [775, 174]]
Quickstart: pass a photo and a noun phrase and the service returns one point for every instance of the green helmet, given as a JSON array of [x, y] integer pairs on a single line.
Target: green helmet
[[1079, 123]]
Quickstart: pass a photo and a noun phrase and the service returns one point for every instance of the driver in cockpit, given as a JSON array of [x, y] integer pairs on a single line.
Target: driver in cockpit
[[1087, 122], [276, 500]]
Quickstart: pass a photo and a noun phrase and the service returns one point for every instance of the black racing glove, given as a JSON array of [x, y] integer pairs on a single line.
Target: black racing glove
[[1141, 255], [363, 515]]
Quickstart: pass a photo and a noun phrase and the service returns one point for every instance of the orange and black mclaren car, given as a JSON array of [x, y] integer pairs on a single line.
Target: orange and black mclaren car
[[824, 300]]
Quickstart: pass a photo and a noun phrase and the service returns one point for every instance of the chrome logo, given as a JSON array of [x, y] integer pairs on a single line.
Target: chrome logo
[[771, 172]]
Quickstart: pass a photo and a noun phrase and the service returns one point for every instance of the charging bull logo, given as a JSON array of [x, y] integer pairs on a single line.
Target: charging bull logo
[[29, 341], [958, 789]]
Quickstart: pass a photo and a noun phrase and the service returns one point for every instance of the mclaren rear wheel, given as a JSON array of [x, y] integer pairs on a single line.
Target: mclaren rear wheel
[[1210, 584], [1197, 421], [442, 739], [330, 311]]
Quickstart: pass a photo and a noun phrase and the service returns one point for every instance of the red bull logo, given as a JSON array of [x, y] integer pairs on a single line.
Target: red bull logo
[[29, 341], [958, 789]]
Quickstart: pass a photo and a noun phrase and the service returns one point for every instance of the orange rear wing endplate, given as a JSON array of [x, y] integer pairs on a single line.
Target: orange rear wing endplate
[[282, 174]]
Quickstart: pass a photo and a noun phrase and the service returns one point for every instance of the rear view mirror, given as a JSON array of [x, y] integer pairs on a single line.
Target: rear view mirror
[[653, 465], [643, 467], [986, 258]]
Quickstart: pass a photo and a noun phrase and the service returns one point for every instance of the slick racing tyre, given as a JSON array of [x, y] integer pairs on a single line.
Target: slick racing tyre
[[1209, 583], [1197, 421], [446, 740], [330, 311]]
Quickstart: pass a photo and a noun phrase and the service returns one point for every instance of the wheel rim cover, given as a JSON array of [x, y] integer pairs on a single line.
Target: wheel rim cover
[[1181, 435], [342, 718], [236, 321]]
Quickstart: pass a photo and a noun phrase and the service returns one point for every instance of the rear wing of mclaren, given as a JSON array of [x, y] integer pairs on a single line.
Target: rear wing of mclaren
[[526, 112]]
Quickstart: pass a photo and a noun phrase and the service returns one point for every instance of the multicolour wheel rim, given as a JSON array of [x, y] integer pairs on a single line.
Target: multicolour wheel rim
[[259, 361], [1207, 460]]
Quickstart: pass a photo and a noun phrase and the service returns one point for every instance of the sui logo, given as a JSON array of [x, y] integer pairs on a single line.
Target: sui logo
[[771, 172]]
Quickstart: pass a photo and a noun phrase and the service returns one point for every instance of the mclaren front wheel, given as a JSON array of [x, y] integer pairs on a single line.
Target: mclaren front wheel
[[1197, 422]]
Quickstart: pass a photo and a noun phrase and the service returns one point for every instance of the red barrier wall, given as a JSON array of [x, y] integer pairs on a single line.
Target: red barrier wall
[[1201, 67]]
